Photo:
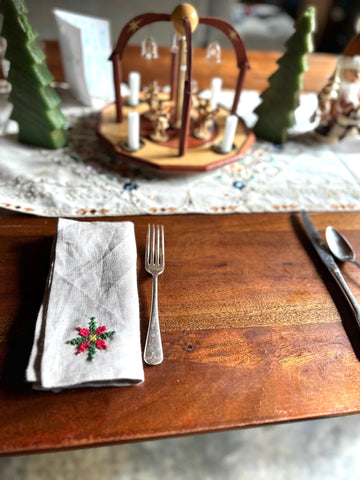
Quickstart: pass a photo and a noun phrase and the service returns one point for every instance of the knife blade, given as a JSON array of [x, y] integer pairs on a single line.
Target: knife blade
[[329, 261]]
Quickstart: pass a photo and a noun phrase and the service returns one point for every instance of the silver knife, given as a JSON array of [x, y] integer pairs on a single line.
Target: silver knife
[[330, 263]]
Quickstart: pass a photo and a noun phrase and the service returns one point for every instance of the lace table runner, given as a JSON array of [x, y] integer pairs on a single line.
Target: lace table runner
[[83, 179]]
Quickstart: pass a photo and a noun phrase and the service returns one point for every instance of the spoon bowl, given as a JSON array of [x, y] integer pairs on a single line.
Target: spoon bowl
[[339, 246]]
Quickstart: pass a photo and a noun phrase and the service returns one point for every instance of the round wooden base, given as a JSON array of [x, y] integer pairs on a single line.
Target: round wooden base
[[201, 155]]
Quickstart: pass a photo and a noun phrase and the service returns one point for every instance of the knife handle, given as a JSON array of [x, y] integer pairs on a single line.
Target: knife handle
[[346, 291]]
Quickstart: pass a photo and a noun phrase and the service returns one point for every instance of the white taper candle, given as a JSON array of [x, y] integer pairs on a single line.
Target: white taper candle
[[216, 85], [133, 131], [134, 85], [229, 133]]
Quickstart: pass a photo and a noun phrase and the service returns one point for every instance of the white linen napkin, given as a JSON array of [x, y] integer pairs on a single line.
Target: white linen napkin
[[88, 329]]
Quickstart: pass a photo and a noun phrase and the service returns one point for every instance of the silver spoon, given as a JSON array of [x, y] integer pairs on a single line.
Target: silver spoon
[[339, 246]]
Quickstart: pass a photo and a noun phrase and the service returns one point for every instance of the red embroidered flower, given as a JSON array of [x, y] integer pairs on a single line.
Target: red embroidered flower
[[91, 338], [84, 332], [100, 330], [101, 344]]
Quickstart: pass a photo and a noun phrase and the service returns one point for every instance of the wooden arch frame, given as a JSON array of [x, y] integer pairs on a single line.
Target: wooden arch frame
[[139, 22], [116, 57], [239, 48]]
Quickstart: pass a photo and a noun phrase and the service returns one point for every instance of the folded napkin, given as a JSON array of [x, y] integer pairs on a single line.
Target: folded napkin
[[87, 331]]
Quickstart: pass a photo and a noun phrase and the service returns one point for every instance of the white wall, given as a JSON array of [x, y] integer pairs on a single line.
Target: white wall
[[119, 12]]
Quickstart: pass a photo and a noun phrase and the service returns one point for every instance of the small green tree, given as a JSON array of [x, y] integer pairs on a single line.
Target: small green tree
[[35, 102], [281, 98]]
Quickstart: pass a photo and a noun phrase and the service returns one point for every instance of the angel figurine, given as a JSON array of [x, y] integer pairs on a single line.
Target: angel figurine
[[339, 100], [152, 98], [206, 115], [161, 124]]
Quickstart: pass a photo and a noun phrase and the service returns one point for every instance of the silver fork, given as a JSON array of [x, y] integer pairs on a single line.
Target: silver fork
[[154, 264]]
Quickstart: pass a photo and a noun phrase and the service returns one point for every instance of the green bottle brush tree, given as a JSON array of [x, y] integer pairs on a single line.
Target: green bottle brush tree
[[281, 98], [35, 102]]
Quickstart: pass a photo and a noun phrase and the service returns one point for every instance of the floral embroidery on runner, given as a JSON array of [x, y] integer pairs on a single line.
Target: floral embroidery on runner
[[91, 338], [302, 174]]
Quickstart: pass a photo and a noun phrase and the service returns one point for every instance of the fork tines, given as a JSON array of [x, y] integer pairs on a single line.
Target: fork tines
[[155, 251]]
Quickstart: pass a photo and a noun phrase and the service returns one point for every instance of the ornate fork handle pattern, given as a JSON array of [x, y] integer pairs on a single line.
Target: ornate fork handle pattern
[[154, 264]]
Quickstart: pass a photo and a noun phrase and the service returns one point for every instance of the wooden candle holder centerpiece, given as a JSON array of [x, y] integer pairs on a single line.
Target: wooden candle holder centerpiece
[[179, 131]]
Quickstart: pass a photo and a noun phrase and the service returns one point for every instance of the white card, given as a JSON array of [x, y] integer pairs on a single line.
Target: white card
[[85, 48]]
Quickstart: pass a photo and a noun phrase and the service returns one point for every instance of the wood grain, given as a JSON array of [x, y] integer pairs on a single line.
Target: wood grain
[[254, 332]]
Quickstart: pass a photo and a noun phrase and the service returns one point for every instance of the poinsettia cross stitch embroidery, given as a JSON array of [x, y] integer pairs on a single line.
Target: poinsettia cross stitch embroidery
[[91, 338]]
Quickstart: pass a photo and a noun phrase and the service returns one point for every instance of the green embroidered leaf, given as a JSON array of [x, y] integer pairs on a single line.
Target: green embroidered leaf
[[91, 350], [78, 341], [106, 335], [92, 325]]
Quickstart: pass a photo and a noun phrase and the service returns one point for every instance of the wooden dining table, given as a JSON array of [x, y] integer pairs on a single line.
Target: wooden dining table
[[254, 329]]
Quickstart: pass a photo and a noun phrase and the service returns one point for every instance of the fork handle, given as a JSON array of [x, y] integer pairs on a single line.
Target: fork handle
[[153, 353]]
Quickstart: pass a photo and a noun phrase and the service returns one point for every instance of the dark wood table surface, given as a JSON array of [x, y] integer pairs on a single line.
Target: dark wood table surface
[[254, 330]]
